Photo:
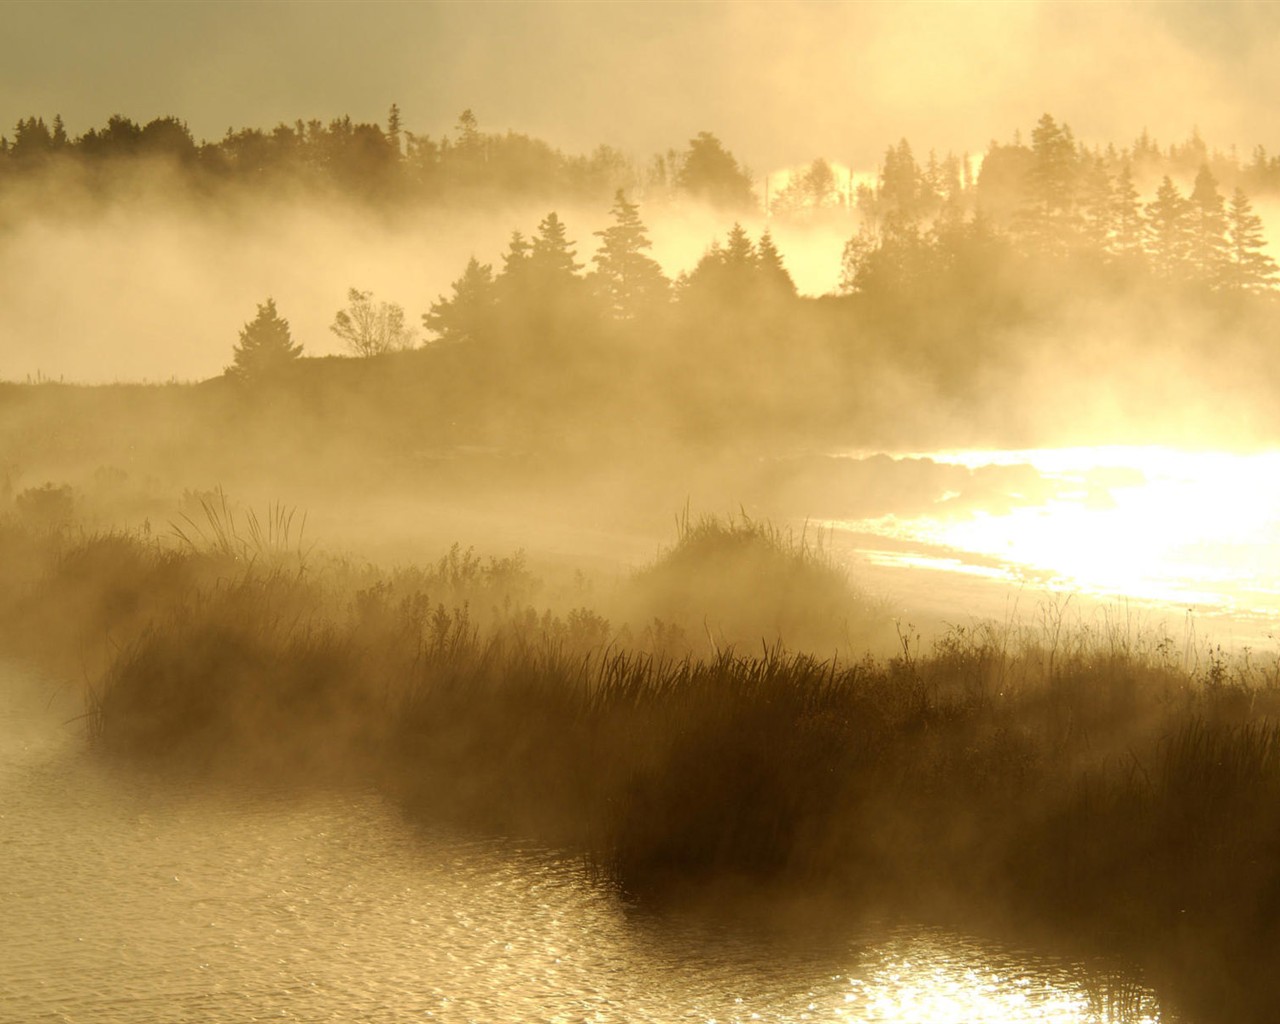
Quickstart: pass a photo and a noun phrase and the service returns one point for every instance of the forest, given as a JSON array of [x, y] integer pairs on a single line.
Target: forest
[[971, 298]]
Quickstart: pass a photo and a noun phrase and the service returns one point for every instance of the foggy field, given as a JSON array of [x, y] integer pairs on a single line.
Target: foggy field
[[710, 566]]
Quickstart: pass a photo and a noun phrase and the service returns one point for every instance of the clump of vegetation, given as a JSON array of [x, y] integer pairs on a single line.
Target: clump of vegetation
[[1084, 777], [739, 582]]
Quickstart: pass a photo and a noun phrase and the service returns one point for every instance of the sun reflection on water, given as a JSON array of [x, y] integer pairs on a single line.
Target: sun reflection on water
[[937, 980], [1192, 528]]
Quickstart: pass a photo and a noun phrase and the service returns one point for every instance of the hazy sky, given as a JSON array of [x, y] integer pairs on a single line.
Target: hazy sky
[[780, 83]]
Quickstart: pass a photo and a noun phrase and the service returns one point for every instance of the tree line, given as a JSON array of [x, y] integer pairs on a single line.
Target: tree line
[[1074, 218], [1053, 203], [376, 162], [387, 162]]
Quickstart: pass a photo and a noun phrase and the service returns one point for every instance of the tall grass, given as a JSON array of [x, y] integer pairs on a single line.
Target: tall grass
[[1091, 776]]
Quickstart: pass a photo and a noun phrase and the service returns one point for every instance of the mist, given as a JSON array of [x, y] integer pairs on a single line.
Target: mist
[[611, 486], [783, 85]]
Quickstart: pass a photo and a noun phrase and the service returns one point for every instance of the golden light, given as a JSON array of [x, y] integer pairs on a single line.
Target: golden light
[[928, 979], [1153, 523]]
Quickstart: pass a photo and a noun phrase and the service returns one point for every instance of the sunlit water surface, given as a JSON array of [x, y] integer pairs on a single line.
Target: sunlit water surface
[[125, 900], [1189, 530]]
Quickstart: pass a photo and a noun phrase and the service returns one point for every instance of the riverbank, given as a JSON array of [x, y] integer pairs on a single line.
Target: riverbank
[[1079, 782]]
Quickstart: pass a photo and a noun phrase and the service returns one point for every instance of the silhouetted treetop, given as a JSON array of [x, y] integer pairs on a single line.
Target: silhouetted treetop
[[266, 346], [711, 173], [629, 280], [468, 314], [737, 272], [371, 330]]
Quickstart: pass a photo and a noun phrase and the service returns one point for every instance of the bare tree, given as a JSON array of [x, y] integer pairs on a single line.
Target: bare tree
[[370, 329]]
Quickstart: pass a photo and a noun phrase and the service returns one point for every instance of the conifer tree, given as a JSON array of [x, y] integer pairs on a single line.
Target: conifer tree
[[629, 280], [266, 346], [1167, 235], [710, 172], [1047, 220], [1097, 206], [551, 256], [1128, 227], [468, 313], [1249, 268], [773, 276], [901, 195], [1207, 230]]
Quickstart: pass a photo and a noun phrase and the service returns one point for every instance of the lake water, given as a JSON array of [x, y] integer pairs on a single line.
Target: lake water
[[125, 898], [1175, 533]]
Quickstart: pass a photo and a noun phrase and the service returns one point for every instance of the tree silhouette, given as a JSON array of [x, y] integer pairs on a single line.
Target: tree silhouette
[[468, 314], [738, 272], [901, 200], [1207, 230], [1249, 268], [1097, 206], [1047, 220], [1127, 223], [369, 330], [1167, 229], [551, 258], [710, 172], [773, 276], [266, 346], [812, 190], [628, 279]]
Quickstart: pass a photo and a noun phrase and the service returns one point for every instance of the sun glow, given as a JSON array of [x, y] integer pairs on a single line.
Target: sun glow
[[1199, 528], [923, 981]]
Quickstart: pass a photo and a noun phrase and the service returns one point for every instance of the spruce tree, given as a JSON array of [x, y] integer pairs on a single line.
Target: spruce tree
[[1167, 230], [1207, 230], [773, 276], [1097, 207], [468, 313], [1048, 218], [266, 346], [628, 279], [552, 255], [1128, 227], [1249, 268]]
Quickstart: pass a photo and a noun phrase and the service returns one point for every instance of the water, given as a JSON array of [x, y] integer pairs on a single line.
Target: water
[[1171, 531], [126, 899]]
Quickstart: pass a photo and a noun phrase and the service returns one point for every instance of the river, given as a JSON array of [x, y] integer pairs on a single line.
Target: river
[[125, 897]]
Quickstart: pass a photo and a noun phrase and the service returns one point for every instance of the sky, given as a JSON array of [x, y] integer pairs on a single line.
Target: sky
[[779, 83]]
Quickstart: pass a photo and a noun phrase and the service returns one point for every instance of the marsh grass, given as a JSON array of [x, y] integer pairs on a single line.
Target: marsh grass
[[1093, 775], [735, 581], [218, 527]]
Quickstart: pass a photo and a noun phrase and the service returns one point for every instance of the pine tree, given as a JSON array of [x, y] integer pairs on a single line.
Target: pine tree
[[1249, 268], [1167, 224], [901, 196], [710, 172], [629, 280], [394, 128], [1207, 230], [773, 276], [468, 314], [1128, 227], [739, 251], [266, 346], [1097, 207], [552, 256], [1048, 218]]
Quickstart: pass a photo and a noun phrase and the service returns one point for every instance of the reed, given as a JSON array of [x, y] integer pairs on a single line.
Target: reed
[[1077, 775]]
